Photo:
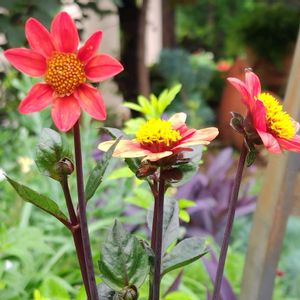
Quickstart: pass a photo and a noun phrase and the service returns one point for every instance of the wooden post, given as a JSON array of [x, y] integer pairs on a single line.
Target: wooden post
[[273, 207]]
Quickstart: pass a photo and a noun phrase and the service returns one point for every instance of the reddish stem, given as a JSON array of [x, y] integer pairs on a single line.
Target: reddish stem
[[229, 224]]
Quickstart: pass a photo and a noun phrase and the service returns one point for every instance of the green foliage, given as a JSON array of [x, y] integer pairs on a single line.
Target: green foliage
[[123, 261], [50, 151], [96, 175], [269, 31], [154, 107], [41, 201], [184, 253]]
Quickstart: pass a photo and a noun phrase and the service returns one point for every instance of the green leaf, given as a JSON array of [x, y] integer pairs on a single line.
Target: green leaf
[[251, 155], [97, 173], [133, 164], [184, 253], [167, 96], [104, 292], [50, 151], [123, 261], [39, 200], [132, 106], [170, 222]]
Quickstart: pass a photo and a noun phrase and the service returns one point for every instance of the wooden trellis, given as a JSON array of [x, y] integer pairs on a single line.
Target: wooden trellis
[[277, 200]]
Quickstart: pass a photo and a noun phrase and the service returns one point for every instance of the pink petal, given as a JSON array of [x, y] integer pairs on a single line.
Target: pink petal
[[64, 33], [65, 112], [269, 141], [101, 67], [39, 38], [90, 47], [291, 145], [157, 156], [252, 83], [259, 116], [200, 137], [91, 101], [26, 61], [241, 87], [125, 148], [39, 97]]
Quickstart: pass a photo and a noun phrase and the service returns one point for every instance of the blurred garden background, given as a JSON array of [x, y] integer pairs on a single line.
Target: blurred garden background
[[161, 44]]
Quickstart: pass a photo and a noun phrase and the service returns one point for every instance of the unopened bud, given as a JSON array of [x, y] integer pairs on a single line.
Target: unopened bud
[[64, 166], [129, 293]]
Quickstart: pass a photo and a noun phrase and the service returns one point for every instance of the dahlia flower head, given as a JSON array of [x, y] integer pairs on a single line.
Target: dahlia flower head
[[157, 139], [67, 71], [275, 127]]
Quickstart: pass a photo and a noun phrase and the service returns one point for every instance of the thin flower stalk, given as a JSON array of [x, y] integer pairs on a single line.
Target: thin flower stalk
[[158, 237], [82, 215], [229, 223]]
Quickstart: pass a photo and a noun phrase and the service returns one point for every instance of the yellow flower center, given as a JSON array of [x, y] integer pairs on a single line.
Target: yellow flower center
[[278, 121], [157, 131], [64, 73]]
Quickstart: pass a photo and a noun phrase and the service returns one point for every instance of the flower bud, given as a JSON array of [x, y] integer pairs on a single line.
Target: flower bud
[[145, 169], [129, 293], [64, 166]]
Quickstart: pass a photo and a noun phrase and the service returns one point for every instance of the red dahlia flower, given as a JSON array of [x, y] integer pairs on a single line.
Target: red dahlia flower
[[274, 126], [54, 56], [157, 139]]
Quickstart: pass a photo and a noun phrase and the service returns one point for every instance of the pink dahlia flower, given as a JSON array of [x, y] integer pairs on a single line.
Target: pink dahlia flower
[[274, 126], [66, 71], [157, 139]]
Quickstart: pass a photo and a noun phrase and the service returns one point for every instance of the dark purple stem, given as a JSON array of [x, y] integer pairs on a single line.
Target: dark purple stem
[[154, 190], [230, 219], [76, 233], [82, 215], [158, 237]]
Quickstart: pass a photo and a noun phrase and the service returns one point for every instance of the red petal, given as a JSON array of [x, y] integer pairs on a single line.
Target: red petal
[[252, 83], [39, 38], [291, 145], [65, 112], [101, 67], [64, 32], [259, 116], [26, 61], [39, 97], [200, 137], [90, 47], [241, 87], [270, 142], [91, 101]]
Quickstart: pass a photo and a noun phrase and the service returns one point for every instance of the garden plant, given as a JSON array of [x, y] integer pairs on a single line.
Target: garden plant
[[160, 152]]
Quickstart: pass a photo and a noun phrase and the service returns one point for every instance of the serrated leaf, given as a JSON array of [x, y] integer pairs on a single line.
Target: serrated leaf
[[184, 253], [123, 261], [167, 97], [132, 106], [97, 173], [170, 222], [41, 201], [50, 151]]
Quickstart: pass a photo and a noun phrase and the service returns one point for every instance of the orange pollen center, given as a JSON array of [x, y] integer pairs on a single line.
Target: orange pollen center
[[64, 73]]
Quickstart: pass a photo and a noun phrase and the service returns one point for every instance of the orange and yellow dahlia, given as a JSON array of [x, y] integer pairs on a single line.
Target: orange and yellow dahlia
[[157, 139]]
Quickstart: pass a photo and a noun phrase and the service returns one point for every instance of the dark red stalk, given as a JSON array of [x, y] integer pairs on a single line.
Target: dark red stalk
[[76, 233], [154, 190], [158, 237], [229, 223], [82, 215]]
